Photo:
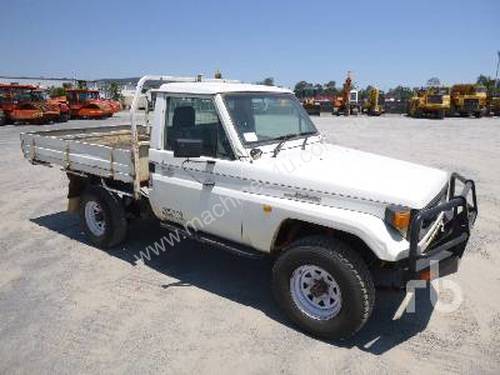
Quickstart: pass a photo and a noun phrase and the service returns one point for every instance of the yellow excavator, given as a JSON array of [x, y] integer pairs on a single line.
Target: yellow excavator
[[469, 99], [430, 102], [373, 105]]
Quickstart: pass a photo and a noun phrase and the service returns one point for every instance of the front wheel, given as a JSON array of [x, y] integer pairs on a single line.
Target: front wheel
[[324, 287], [103, 217]]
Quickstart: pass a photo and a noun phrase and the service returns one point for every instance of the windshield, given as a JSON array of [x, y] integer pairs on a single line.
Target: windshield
[[265, 118], [83, 96], [439, 91], [40, 96], [24, 95]]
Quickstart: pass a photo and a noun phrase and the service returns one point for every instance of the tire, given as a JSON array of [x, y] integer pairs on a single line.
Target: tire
[[64, 117], [102, 217], [350, 287]]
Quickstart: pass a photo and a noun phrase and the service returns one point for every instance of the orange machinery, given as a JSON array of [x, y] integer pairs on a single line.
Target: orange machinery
[[29, 104], [85, 103], [347, 103]]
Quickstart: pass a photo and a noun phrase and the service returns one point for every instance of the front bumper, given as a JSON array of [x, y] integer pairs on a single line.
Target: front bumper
[[449, 244]]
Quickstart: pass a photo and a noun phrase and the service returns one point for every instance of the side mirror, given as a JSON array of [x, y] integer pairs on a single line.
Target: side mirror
[[188, 148]]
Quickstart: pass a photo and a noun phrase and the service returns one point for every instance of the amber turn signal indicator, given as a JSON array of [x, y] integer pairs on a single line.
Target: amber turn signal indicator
[[401, 219], [398, 217]]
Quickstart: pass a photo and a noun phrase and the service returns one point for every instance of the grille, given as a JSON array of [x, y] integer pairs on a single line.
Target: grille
[[471, 104], [435, 99], [440, 198]]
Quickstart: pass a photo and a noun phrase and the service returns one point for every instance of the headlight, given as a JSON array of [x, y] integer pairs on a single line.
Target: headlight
[[398, 217]]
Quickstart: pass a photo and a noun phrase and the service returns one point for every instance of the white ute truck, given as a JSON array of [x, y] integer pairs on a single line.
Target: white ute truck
[[242, 167]]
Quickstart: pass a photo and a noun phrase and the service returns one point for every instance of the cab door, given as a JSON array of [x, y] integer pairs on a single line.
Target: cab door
[[198, 193]]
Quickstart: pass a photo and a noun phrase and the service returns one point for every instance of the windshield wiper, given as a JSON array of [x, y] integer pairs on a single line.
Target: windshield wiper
[[307, 134], [282, 141]]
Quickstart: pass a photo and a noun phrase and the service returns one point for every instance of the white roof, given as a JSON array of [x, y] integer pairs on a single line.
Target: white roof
[[211, 88]]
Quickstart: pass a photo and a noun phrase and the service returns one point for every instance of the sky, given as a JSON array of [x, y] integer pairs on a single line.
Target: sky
[[384, 43]]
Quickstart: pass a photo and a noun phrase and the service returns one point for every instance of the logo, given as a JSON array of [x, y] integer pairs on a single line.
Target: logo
[[303, 197]]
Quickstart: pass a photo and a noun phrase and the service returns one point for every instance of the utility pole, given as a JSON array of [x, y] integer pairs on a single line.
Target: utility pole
[[496, 74]]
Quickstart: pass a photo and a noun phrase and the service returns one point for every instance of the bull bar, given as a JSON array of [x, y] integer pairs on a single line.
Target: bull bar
[[449, 245]]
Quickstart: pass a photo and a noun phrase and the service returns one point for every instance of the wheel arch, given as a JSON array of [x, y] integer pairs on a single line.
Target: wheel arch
[[291, 230]]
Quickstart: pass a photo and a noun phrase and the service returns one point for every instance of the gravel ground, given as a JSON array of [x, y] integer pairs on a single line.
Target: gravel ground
[[67, 307]]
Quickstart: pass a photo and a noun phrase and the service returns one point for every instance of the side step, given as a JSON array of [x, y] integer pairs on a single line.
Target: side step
[[229, 246]]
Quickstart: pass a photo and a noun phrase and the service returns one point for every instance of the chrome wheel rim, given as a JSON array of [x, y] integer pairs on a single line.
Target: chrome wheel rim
[[315, 292], [94, 216]]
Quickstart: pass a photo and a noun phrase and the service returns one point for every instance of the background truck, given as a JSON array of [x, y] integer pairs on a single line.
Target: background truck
[[214, 165], [494, 105], [430, 102], [468, 100]]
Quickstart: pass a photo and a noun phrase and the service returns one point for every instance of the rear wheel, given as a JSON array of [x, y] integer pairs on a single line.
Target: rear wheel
[[64, 117], [324, 287], [103, 217]]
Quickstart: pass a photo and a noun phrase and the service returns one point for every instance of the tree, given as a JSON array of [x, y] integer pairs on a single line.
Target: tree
[[400, 93], [487, 82], [81, 84], [114, 91], [67, 85], [318, 89], [300, 89], [329, 88], [433, 82], [269, 81], [56, 91]]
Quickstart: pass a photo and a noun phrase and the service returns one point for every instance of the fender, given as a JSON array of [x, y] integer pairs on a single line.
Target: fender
[[260, 228]]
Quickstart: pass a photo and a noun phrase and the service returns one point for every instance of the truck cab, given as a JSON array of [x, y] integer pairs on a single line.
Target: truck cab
[[468, 99], [430, 102]]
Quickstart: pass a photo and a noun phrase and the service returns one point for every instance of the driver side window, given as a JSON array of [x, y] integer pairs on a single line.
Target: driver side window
[[196, 118]]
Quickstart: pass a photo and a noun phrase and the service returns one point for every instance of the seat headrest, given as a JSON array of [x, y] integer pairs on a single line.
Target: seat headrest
[[183, 117]]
